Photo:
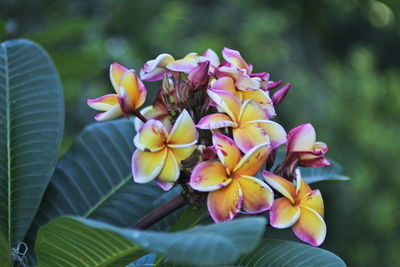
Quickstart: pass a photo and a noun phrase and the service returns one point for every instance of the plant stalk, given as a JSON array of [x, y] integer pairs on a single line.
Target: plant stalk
[[160, 212], [139, 115]]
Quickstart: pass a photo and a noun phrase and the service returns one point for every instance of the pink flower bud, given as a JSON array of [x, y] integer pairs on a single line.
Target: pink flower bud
[[303, 146], [198, 76], [280, 94]]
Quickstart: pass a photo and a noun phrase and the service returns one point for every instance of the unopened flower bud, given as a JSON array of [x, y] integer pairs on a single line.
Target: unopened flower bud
[[280, 94], [198, 76], [270, 85], [208, 152]]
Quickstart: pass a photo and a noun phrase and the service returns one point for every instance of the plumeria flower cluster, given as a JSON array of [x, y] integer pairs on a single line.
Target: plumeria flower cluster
[[210, 129]]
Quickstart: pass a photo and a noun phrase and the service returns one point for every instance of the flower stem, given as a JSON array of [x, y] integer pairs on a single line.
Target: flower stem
[[160, 212], [139, 115]]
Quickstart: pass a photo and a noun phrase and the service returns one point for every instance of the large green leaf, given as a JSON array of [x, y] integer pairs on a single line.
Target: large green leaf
[[280, 253], [77, 241], [287, 253], [190, 218], [94, 180], [31, 127], [313, 175], [333, 172], [5, 252]]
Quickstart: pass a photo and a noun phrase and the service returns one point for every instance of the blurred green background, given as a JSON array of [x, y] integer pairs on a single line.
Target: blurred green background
[[342, 57]]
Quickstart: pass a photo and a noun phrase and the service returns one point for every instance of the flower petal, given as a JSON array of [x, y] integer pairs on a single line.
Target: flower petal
[[275, 132], [227, 151], [320, 146], [262, 99], [185, 64], [103, 103], [302, 188], [116, 72], [134, 88], [249, 136], [225, 71], [253, 160], [150, 112], [317, 162], [215, 121], [112, 113], [234, 57], [313, 200], [151, 136], [310, 227], [142, 93], [184, 130], [211, 56], [257, 196], [170, 171], [225, 203], [156, 74], [183, 153], [153, 70], [281, 185], [319, 149], [283, 214], [226, 101], [250, 111], [209, 176], [147, 165], [245, 83], [225, 83], [166, 186], [301, 138]]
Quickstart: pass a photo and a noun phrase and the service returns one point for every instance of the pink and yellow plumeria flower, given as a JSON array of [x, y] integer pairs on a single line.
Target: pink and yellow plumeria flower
[[250, 123], [259, 96], [130, 94], [302, 145], [236, 68], [160, 151], [212, 57], [230, 181], [154, 70], [156, 113], [299, 207]]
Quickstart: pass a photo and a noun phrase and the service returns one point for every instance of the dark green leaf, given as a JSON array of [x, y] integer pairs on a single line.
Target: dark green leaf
[[291, 254], [94, 180], [313, 175], [5, 252], [186, 220], [31, 127], [333, 172], [189, 218], [85, 242]]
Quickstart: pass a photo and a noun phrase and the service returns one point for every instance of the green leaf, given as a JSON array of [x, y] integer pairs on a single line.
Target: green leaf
[[31, 127], [313, 175], [333, 172], [287, 253], [186, 220], [5, 252], [189, 218], [86, 242], [94, 180]]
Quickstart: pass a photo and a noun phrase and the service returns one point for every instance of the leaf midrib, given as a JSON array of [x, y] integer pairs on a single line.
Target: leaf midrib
[[108, 195], [8, 138]]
